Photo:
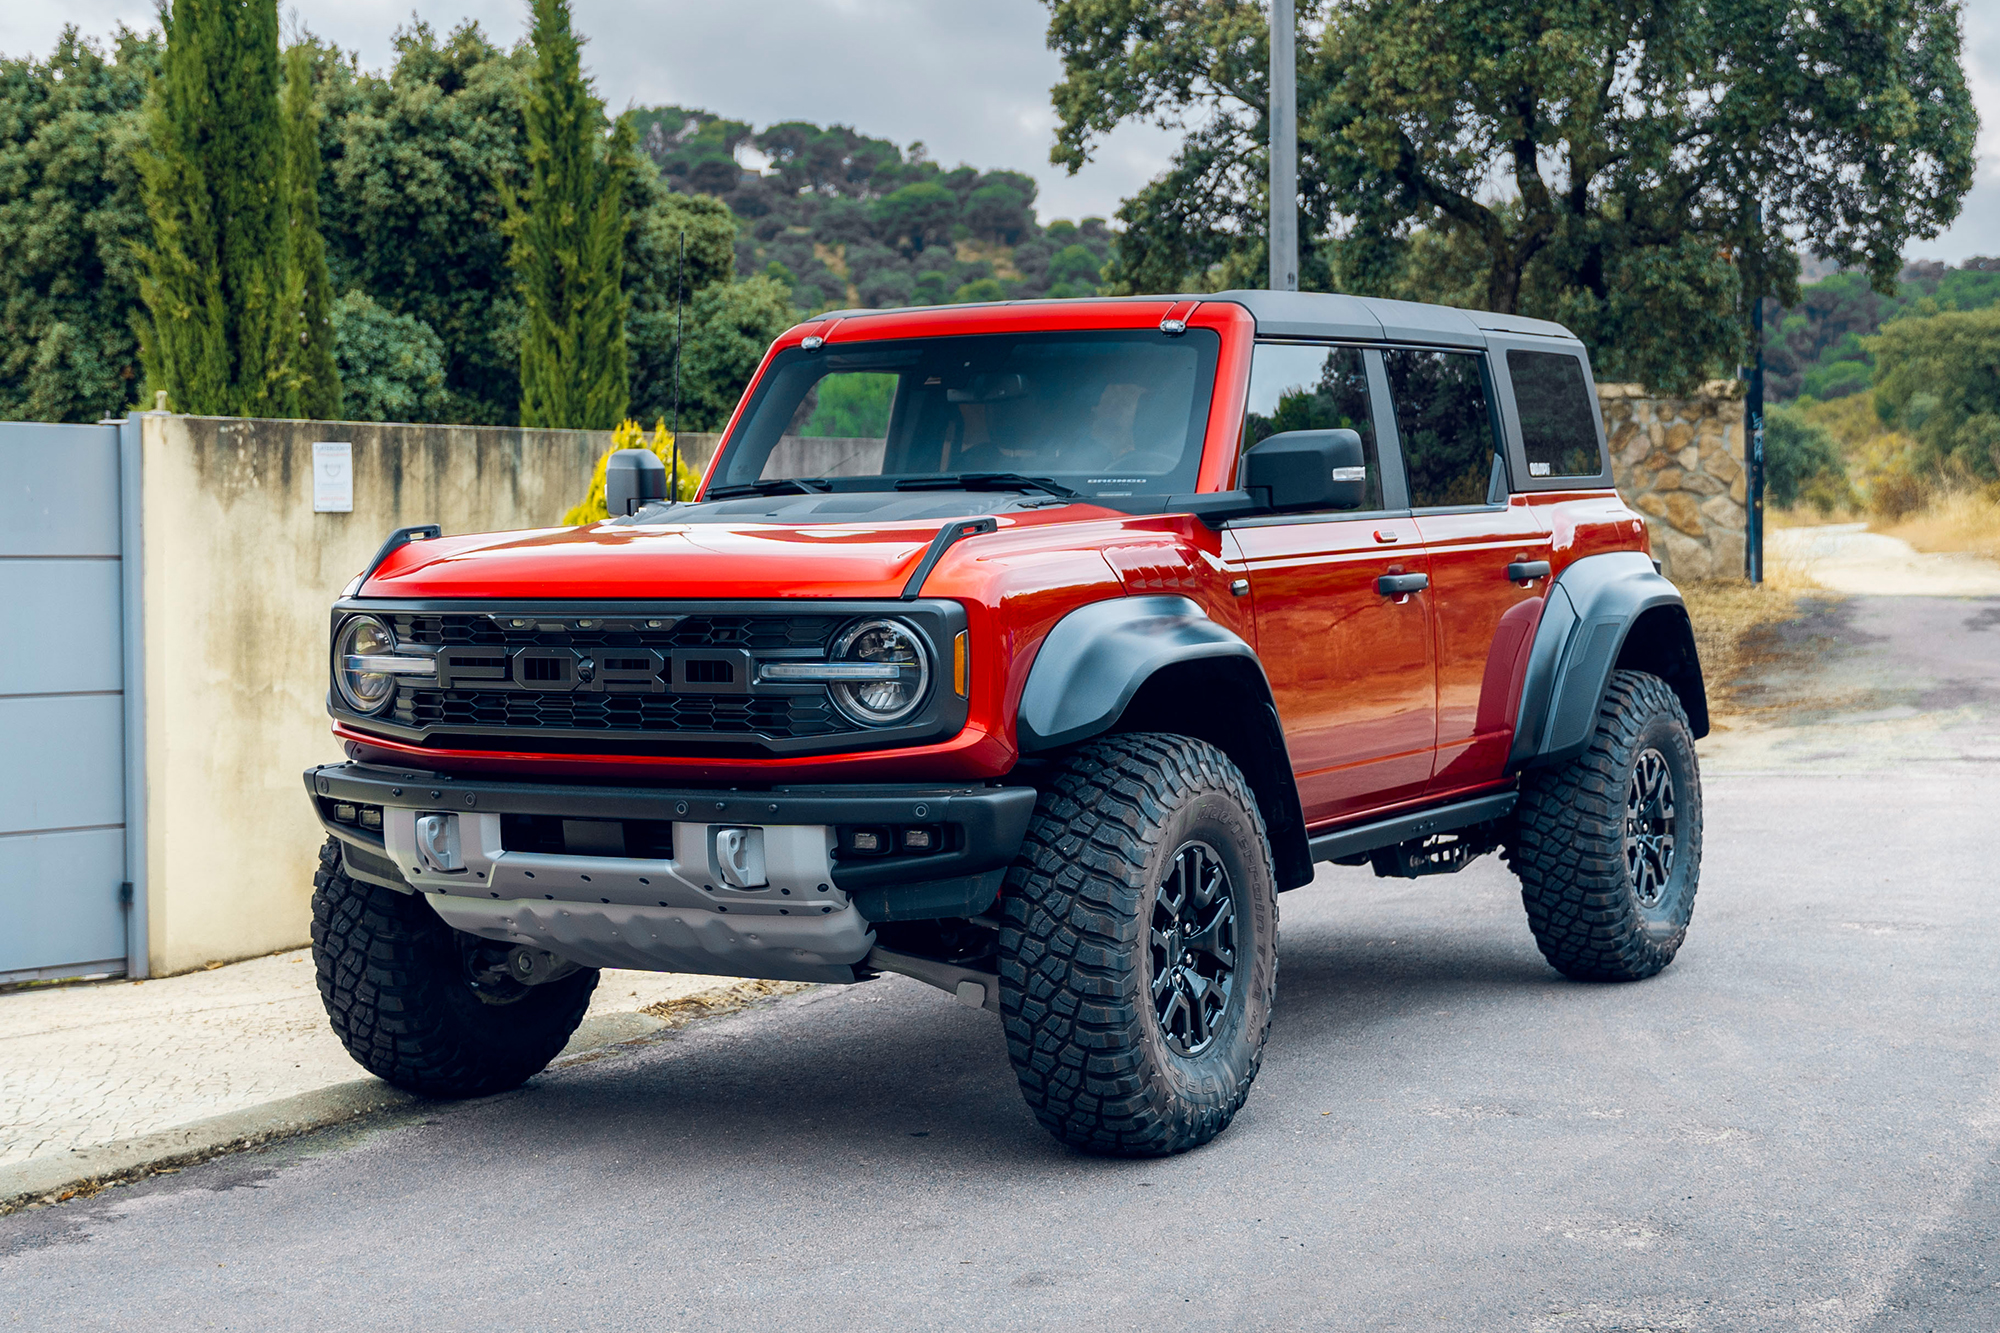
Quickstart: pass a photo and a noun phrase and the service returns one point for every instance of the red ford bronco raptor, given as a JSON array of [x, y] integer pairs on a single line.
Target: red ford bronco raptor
[[1030, 650]]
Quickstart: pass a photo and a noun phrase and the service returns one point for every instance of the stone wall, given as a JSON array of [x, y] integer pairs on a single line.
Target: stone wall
[[1679, 461]]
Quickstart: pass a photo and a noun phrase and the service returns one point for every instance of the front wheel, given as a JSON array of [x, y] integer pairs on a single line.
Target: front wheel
[[1608, 846], [429, 1008], [1139, 949]]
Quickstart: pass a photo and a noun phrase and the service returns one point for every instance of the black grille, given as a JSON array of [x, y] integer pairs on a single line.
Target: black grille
[[777, 715], [755, 633]]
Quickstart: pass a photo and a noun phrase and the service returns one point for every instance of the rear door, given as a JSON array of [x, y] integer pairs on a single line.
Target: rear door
[[1351, 668], [1487, 548]]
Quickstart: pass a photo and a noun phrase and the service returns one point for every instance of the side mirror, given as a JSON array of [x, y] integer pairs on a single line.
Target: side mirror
[[1307, 469], [633, 478]]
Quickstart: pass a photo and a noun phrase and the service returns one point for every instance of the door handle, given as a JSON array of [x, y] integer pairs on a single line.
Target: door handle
[[1523, 570], [1401, 585]]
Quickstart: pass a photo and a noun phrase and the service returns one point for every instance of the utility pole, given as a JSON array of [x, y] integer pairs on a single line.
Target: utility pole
[[1284, 149], [1753, 441]]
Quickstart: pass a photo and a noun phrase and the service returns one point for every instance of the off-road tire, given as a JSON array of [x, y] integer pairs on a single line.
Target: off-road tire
[[1569, 841], [394, 983], [1077, 947]]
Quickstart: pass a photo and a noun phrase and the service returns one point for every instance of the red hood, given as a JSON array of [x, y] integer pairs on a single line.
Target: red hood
[[672, 560]]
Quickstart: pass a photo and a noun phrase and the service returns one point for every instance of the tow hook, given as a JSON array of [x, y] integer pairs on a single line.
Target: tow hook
[[437, 839]]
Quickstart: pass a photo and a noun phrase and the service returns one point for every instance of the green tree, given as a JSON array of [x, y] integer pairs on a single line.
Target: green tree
[[220, 287], [568, 232], [415, 161], [917, 216], [1002, 207], [410, 197], [1074, 271], [318, 377], [653, 266], [730, 325], [70, 216], [391, 366], [1633, 140], [979, 289], [1802, 462], [1939, 377]]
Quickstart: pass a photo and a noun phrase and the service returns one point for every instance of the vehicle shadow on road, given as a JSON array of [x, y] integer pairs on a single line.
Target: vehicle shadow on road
[[894, 1070]]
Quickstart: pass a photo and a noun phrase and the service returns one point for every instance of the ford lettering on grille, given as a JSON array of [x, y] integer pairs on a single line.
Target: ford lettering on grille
[[606, 670]]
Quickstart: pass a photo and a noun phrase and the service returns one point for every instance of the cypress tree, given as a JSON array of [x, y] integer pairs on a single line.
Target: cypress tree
[[220, 288], [317, 376], [568, 234]]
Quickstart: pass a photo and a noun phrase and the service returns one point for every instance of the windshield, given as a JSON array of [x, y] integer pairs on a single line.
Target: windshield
[[1101, 414]]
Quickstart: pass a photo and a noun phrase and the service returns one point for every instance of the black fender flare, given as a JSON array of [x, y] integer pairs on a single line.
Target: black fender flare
[[1097, 657], [1603, 612], [1093, 673]]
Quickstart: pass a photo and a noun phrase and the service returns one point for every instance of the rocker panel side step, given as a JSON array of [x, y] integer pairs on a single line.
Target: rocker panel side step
[[1364, 838]]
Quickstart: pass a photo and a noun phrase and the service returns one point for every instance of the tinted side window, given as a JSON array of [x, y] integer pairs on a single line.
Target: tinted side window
[[1449, 450], [1558, 420], [1312, 388]]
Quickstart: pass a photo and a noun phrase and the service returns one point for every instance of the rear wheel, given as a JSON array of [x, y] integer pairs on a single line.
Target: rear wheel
[[426, 1007], [1138, 956], [1608, 846]]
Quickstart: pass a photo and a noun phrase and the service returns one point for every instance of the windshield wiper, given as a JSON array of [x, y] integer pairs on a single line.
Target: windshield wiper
[[771, 486], [985, 481]]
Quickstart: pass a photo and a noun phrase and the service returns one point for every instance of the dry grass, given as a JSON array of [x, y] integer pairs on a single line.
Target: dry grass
[[713, 1004], [1729, 616], [1805, 516], [1954, 521]]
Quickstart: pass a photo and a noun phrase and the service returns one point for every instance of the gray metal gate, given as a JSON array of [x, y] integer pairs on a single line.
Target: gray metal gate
[[66, 897]]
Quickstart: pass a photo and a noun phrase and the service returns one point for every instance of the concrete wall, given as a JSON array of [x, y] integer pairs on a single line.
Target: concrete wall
[[238, 575], [1679, 461]]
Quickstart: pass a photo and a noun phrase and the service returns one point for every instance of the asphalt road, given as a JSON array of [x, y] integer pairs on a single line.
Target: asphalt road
[[1797, 1126]]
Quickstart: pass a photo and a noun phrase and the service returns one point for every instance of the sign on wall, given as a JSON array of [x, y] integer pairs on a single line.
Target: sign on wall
[[333, 477]]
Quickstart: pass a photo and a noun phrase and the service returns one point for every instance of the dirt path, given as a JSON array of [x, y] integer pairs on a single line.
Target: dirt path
[[1898, 662], [1846, 557]]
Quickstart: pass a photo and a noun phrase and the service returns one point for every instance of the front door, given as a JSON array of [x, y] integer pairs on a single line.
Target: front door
[[1350, 666], [1488, 556]]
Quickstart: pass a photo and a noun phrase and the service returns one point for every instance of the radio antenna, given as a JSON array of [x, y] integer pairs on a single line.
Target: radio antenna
[[680, 275]]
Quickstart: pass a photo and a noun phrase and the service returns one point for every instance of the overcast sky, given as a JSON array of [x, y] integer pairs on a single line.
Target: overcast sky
[[968, 77]]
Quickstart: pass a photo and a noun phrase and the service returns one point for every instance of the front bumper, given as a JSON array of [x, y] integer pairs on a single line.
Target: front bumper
[[810, 919]]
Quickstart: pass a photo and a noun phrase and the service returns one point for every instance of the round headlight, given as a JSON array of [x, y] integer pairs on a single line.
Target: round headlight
[[902, 678], [364, 691]]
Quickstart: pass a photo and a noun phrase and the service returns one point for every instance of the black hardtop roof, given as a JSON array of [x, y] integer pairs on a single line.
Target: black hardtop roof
[[1332, 315], [1326, 315]]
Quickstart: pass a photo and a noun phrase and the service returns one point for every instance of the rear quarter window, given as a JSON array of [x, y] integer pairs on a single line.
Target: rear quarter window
[[1558, 416]]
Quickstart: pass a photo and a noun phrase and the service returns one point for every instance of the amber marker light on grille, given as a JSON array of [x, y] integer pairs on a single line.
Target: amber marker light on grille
[[961, 668]]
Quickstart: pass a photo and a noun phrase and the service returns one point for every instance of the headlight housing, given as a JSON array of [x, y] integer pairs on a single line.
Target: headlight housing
[[903, 678], [360, 638]]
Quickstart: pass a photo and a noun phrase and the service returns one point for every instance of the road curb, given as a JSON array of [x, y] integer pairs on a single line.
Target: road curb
[[62, 1176], [59, 1177]]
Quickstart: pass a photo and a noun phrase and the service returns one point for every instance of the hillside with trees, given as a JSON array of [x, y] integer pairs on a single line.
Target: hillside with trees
[[845, 220], [1819, 348], [413, 285]]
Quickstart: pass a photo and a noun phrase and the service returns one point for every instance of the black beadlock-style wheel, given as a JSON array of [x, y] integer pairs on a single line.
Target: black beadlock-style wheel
[[1608, 846], [426, 1007], [1139, 948]]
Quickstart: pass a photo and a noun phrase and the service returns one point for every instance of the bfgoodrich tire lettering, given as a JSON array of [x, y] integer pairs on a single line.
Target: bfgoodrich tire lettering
[[1608, 846], [396, 986], [1100, 1037]]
